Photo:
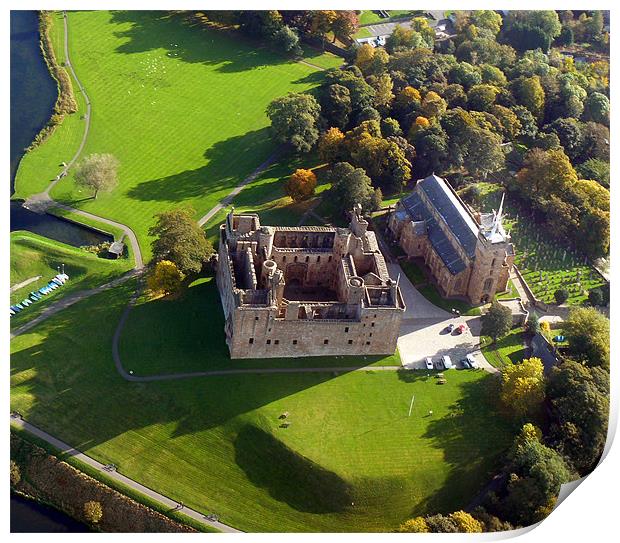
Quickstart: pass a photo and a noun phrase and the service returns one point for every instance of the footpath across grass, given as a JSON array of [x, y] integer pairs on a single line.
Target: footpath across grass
[[351, 459], [33, 255], [182, 107], [186, 334]]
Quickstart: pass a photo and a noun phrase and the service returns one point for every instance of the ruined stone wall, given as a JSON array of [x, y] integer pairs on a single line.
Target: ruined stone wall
[[258, 334]]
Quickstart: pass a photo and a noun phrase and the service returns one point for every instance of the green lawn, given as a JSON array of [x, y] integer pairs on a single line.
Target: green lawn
[[507, 350], [323, 59], [511, 292], [352, 460], [182, 107], [195, 320], [370, 17], [545, 263], [431, 293], [43, 163], [33, 255], [413, 272]]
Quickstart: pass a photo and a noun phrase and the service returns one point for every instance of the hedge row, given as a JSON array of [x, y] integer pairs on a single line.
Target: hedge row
[[65, 103], [50, 480]]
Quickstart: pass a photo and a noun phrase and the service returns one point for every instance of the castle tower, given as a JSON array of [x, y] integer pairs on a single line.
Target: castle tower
[[493, 260]]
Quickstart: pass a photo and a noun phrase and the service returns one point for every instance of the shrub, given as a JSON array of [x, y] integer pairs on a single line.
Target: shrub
[[561, 295], [466, 523], [595, 297], [497, 321], [93, 512], [165, 278], [16, 475], [415, 525], [532, 325]]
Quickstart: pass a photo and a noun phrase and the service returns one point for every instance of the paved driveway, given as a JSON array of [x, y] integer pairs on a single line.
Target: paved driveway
[[422, 332]]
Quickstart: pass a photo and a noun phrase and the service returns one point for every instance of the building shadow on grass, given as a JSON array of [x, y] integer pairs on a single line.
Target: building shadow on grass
[[287, 475], [458, 436], [75, 392], [229, 162], [191, 42]]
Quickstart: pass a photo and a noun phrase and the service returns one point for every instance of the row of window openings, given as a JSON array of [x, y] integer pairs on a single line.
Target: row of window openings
[[325, 341], [346, 330], [318, 258]]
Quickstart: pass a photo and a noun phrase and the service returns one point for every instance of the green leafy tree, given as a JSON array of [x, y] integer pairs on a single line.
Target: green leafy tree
[[596, 169], [587, 331], [532, 325], [484, 153], [294, 120], [579, 399], [481, 97], [595, 297], [336, 105], [178, 238], [497, 321], [98, 172], [361, 93], [487, 18], [561, 295], [596, 108], [536, 473], [569, 133], [351, 186], [529, 93]]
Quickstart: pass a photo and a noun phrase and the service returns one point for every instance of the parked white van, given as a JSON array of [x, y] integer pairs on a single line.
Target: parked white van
[[446, 361]]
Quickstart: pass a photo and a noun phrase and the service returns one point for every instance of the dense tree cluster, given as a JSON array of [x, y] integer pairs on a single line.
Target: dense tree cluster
[[283, 29], [417, 107]]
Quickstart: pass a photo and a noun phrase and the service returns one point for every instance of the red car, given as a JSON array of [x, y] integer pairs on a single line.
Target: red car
[[460, 329]]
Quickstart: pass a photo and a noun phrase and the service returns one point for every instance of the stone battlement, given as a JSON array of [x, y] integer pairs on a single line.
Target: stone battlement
[[305, 291]]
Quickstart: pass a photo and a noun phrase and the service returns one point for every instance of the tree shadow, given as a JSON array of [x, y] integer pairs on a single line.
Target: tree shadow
[[468, 456], [190, 42], [228, 163], [67, 371]]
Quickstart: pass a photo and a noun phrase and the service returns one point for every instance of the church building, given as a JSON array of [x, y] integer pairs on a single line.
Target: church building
[[468, 256]]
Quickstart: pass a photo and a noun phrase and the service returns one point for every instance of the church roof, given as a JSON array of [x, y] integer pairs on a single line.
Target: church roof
[[452, 213]]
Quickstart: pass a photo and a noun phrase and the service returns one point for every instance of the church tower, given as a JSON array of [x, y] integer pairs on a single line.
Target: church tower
[[493, 260]]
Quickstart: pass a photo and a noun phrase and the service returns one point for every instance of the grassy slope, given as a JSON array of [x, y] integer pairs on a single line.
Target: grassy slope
[[182, 108], [214, 443], [508, 350], [194, 338], [41, 164], [33, 255]]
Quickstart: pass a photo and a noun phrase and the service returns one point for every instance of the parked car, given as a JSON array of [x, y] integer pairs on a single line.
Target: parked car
[[472, 361], [429, 363], [439, 365], [465, 363], [460, 328], [446, 361]]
